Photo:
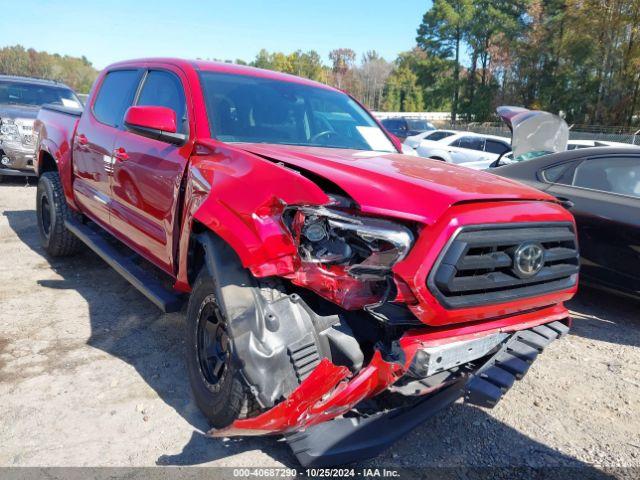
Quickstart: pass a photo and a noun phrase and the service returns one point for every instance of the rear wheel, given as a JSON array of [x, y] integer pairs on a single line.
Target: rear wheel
[[52, 210], [216, 381]]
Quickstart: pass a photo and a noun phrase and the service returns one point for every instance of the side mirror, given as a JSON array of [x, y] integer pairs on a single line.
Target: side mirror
[[159, 123]]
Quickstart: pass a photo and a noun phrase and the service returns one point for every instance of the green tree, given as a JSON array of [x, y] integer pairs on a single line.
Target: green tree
[[402, 93], [76, 72], [343, 60], [442, 33]]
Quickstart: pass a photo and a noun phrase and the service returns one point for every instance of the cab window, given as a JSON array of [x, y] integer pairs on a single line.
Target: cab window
[[562, 174], [115, 96], [164, 89], [612, 175]]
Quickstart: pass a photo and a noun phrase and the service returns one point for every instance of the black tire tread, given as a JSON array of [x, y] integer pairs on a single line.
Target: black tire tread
[[61, 242], [232, 401]]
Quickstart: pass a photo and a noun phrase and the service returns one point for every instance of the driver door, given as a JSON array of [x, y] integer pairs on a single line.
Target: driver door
[[147, 174]]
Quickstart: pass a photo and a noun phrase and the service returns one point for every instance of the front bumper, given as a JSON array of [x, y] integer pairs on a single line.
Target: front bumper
[[353, 439], [330, 391], [16, 158]]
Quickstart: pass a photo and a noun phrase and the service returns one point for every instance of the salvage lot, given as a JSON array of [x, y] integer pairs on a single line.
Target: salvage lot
[[91, 373]]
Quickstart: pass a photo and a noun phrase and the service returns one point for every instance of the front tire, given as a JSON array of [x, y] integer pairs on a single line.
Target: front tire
[[52, 210], [216, 381]]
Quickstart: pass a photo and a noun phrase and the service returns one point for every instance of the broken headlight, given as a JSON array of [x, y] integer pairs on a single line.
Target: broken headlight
[[366, 247]]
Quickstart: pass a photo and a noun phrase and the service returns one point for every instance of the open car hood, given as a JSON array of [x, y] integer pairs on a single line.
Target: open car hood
[[396, 185], [534, 132]]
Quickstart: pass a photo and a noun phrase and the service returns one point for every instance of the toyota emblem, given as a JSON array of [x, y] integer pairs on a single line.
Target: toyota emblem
[[528, 259]]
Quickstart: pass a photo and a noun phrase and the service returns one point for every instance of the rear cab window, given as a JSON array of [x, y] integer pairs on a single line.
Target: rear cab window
[[116, 94]]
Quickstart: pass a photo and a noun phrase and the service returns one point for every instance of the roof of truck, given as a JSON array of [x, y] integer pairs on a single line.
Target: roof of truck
[[224, 67]]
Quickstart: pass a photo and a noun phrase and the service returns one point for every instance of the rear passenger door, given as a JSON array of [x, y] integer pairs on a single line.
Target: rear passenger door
[[147, 173], [93, 142]]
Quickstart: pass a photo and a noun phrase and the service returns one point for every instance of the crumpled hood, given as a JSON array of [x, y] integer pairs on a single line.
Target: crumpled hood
[[18, 111], [397, 185]]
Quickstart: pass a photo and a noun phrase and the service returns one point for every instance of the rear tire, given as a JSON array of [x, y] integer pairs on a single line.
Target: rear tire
[[52, 210], [216, 381]]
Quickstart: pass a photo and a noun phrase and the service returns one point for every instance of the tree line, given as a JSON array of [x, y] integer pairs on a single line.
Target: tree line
[[77, 72], [580, 57]]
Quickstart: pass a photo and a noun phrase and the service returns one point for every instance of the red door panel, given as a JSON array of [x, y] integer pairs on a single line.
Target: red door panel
[[147, 174]]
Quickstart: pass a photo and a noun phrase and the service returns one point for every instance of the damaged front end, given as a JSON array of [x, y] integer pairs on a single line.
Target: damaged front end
[[345, 257], [337, 327], [322, 362]]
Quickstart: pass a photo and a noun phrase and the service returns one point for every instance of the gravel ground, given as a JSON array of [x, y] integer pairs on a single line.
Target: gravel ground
[[91, 374]]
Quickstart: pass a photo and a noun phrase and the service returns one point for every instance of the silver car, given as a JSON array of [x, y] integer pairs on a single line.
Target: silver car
[[20, 100]]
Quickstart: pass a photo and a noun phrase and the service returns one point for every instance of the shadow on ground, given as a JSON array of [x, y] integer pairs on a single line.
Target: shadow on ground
[[126, 325], [605, 317]]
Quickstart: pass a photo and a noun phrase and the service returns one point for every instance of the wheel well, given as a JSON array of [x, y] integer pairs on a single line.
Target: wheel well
[[46, 163]]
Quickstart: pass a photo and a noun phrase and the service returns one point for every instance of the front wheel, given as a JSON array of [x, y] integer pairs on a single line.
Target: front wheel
[[51, 210], [216, 382]]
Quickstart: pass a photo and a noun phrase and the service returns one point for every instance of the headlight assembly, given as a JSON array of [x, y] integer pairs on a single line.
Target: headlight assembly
[[366, 247]]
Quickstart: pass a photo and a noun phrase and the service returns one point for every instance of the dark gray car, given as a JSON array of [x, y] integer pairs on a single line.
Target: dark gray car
[[20, 100]]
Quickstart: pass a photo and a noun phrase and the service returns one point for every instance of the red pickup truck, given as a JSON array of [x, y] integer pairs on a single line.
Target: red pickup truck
[[339, 293]]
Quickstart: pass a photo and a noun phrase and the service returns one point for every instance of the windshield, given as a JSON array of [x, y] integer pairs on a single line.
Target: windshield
[[419, 125], [435, 136], [22, 93], [262, 110]]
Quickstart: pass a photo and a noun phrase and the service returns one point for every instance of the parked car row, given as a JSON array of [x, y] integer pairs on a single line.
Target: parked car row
[[478, 151]]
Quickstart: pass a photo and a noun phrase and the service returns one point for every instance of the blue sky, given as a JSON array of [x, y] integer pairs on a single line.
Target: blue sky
[[106, 32]]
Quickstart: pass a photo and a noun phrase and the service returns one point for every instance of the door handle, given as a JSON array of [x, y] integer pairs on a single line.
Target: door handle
[[82, 139], [120, 154]]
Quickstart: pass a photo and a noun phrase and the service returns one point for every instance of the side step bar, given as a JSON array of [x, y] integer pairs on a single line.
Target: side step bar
[[149, 286]]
